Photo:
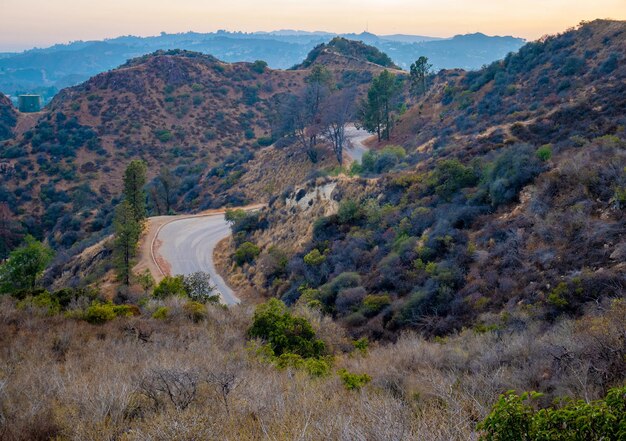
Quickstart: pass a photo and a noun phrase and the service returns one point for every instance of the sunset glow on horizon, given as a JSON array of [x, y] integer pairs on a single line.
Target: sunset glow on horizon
[[30, 23]]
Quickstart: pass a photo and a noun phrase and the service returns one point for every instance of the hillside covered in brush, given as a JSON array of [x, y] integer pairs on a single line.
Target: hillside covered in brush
[[465, 279], [197, 117], [8, 117], [507, 193], [562, 86]]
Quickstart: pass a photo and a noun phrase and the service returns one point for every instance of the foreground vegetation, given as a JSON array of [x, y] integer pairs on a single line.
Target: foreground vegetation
[[216, 373]]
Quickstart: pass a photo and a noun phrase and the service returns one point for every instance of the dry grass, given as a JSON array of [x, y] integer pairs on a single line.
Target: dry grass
[[186, 381]]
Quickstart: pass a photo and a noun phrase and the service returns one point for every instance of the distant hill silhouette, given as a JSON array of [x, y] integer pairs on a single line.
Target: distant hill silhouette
[[48, 70]]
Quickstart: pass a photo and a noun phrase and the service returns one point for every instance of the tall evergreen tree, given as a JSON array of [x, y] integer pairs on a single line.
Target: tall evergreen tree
[[134, 193], [418, 74], [127, 231], [376, 113]]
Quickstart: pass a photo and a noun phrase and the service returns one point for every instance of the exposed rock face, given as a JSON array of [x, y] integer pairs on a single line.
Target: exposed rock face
[[305, 198]]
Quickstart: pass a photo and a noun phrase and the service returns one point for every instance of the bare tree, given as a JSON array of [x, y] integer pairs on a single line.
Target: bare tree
[[299, 122], [177, 386], [338, 110], [301, 115], [168, 182], [226, 377]]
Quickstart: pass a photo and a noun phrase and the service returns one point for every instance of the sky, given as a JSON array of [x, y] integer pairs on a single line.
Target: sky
[[38, 23]]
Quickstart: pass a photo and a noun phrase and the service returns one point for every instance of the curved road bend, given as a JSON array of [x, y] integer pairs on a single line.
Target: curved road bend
[[187, 246], [355, 148]]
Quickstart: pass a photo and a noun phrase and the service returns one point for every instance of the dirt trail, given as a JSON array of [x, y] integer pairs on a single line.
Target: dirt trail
[[26, 121]]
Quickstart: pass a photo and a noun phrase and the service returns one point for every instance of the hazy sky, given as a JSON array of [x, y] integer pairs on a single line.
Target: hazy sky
[[28, 23]]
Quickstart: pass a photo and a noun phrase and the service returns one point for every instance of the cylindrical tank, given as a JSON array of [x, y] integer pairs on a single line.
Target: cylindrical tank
[[29, 103]]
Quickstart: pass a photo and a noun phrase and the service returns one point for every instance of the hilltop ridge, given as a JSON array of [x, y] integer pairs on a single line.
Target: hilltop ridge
[[358, 51], [47, 70]]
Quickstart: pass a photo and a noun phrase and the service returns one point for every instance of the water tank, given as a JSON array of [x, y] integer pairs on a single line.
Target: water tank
[[29, 103]]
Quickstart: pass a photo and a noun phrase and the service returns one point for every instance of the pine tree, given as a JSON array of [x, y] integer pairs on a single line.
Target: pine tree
[[134, 182], [127, 231], [376, 112], [418, 75]]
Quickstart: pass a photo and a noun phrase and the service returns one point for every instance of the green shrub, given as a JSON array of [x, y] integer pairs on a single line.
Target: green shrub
[[449, 177], [246, 253], [126, 310], [381, 161], [373, 304], [315, 367], [289, 360], [361, 345], [544, 152], [509, 173], [329, 291], [170, 286], [195, 311], [233, 216], [353, 381], [161, 313], [44, 302], [199, 288], [99, 313], [513, 418], [356, 169], [163, 135], [24, 266], [349, 211], [283, 332], [620, 197], [265, 141], [314, 258], [259, 66]]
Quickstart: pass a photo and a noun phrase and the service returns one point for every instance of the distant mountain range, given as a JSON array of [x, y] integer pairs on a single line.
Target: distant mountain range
[[47, 70]]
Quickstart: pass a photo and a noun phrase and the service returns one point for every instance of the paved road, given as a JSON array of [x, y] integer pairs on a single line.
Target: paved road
[[355, 148], [187, 246]]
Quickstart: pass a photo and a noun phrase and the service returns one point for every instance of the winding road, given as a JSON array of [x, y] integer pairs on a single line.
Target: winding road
[[185, 244], [356, 138]]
